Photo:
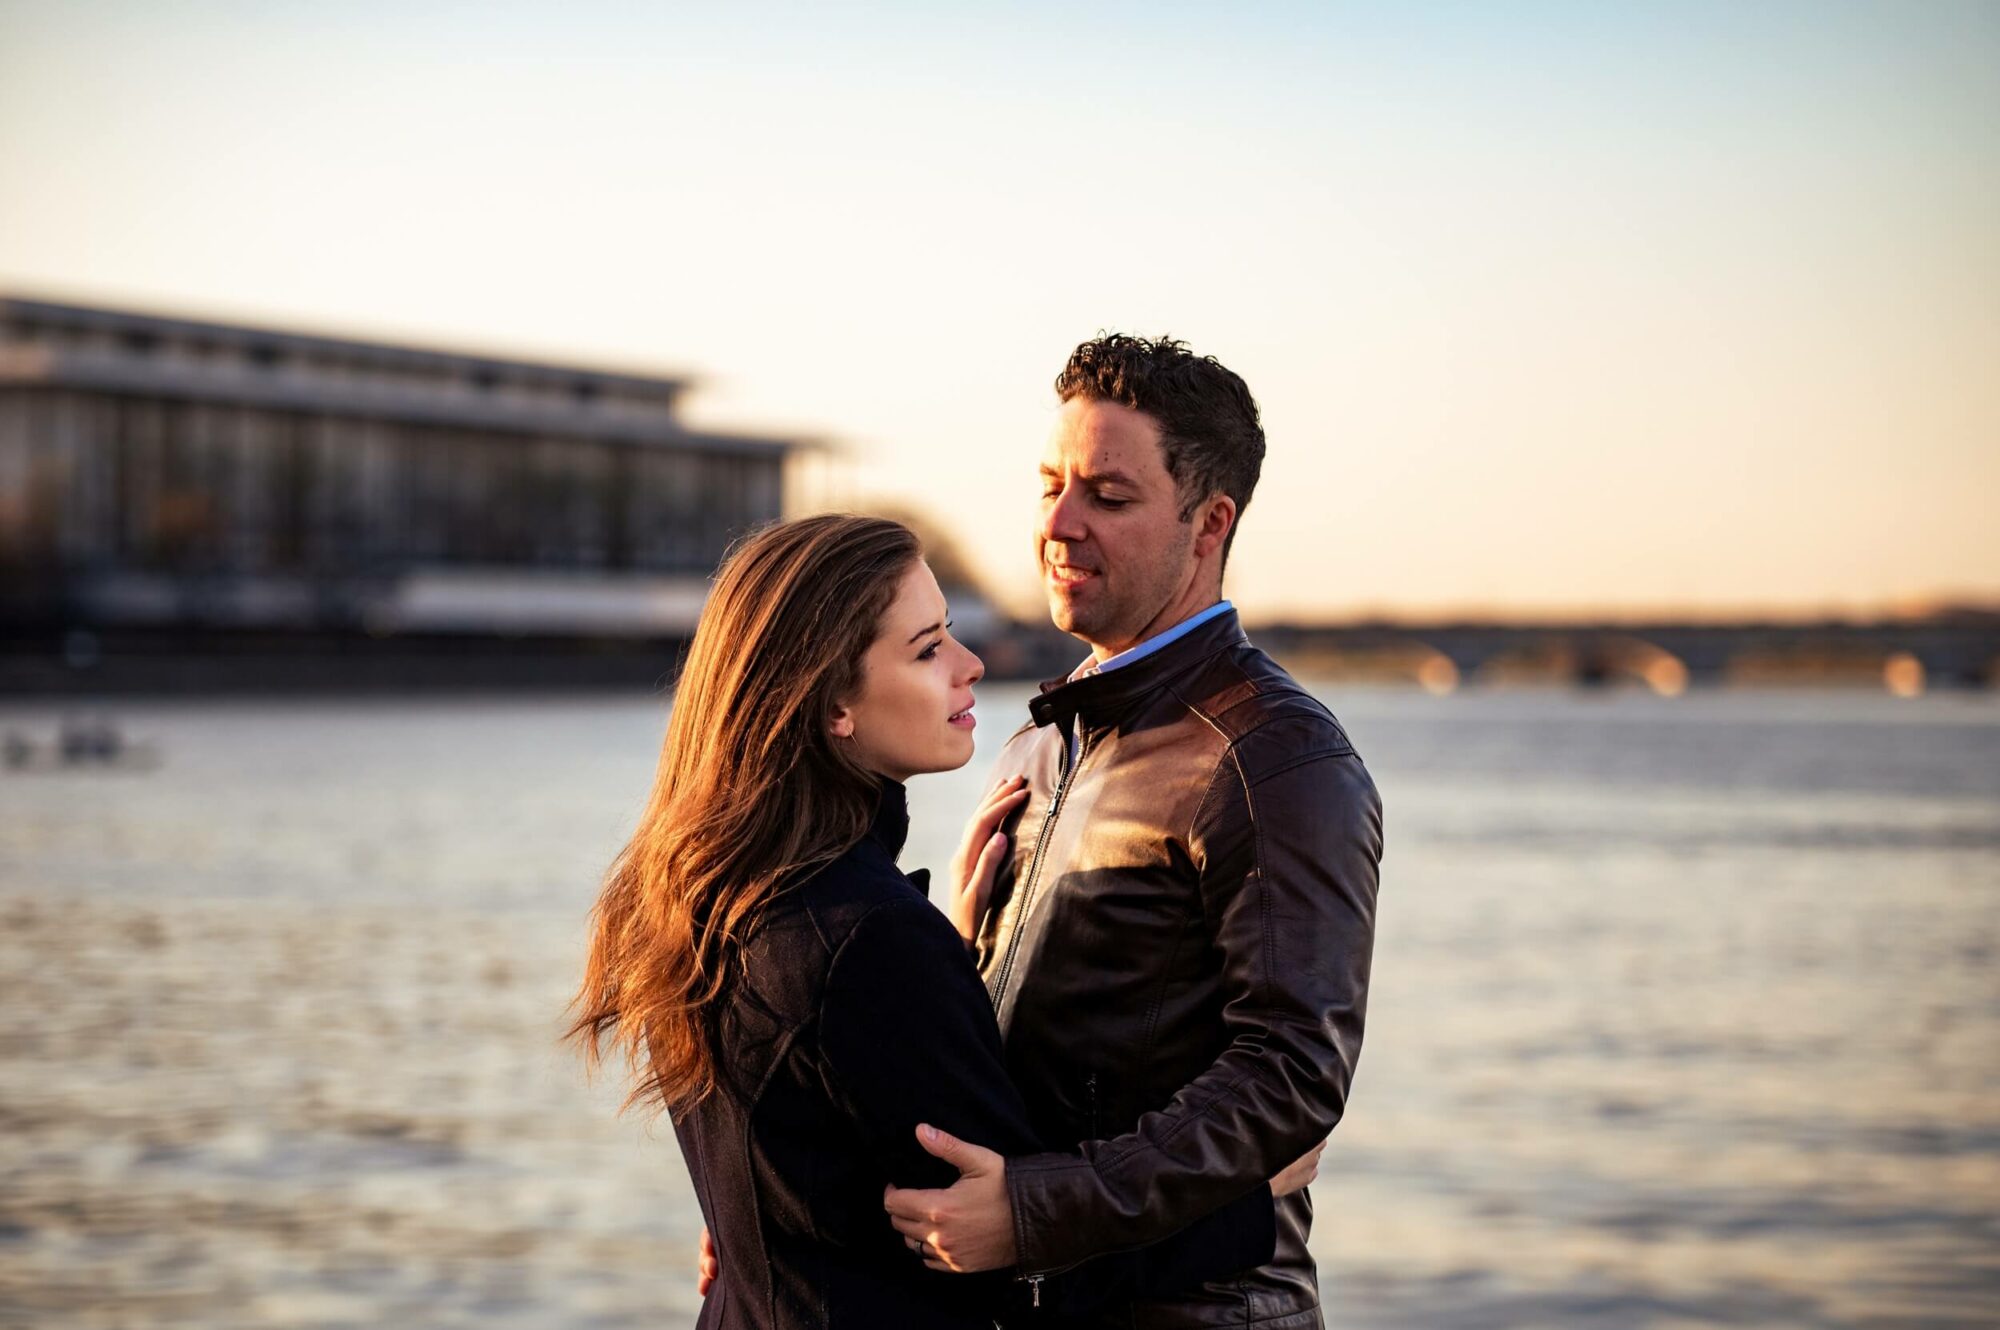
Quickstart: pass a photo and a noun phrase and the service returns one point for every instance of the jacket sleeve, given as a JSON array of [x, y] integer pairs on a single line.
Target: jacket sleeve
[[908, 1035], [1287, 841]]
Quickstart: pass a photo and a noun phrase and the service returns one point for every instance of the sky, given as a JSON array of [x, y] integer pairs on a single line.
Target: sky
[[1549, 308]]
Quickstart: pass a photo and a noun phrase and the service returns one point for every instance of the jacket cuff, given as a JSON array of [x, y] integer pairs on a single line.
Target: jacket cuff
[[1037, 1186]]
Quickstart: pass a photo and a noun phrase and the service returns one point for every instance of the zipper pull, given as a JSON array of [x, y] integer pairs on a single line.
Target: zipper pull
[[1035, 1290]]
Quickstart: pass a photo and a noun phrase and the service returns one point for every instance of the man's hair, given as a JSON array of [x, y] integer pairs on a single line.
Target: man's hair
[[1208, 420]]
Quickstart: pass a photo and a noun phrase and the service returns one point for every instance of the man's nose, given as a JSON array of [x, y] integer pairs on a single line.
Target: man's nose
[[1062, 516]]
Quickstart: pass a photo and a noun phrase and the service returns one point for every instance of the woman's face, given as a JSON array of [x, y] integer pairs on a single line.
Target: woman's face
[[913, 712]]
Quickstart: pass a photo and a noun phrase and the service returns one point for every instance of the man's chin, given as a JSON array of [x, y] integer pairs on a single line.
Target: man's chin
[[1070, 617]]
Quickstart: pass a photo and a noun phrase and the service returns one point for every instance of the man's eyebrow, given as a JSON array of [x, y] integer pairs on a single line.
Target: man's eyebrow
[[1098, 477]]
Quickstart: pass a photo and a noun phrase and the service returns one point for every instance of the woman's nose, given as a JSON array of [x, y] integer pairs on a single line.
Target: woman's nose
[[974, 668]]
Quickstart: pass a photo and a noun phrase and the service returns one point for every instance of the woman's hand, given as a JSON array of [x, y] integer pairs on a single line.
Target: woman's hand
[[978, 857], [1299, 1173], [710, 1268]]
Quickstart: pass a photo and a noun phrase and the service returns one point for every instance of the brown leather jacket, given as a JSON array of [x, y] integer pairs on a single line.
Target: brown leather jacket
[[1178, 951]]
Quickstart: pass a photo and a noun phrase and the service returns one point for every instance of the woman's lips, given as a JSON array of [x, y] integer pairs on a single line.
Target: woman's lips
[[962, 720]]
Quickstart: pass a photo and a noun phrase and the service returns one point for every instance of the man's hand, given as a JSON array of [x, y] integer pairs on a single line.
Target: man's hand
[[711, 1269], [1298, 1174], [979, 855], [967, 1227]]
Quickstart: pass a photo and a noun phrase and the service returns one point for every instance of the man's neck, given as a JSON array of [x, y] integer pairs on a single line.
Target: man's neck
[[1146, 646], [1167, 619]]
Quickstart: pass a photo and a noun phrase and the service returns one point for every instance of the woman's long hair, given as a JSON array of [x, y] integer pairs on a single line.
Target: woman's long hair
[[751, 791]]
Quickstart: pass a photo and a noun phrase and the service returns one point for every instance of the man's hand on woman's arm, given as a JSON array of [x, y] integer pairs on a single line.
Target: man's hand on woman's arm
[[969, 1226]]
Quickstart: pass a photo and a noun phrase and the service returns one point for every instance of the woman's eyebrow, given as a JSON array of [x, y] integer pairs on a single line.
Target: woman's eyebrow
[[928, 628]]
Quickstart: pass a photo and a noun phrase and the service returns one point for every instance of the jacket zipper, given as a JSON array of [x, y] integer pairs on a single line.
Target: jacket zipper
[[1090, 1089], [1034, 874], [1014, 945]]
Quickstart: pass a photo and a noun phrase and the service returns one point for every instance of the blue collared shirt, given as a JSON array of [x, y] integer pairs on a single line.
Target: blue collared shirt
[[1153, 643], [1143, 650]]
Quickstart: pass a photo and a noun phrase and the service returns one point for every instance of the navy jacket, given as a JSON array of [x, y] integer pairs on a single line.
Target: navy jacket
[[859, 1016]]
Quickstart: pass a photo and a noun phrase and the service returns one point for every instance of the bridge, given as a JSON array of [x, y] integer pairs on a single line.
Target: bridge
[[1955, 650]]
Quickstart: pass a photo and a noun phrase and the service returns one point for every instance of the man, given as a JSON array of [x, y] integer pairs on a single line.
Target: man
[[1179, 943]]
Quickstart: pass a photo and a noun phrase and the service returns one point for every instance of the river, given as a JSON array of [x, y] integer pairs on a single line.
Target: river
[[1686, 1012]]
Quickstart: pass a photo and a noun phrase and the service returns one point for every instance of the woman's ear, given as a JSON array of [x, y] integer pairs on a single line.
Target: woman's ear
[[841, 723]]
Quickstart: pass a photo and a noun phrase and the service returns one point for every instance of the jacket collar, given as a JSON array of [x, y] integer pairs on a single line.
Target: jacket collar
[[891, 826], [1098, 698]]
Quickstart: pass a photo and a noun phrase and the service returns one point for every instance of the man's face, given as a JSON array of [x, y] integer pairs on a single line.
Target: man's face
[[1112, 546]]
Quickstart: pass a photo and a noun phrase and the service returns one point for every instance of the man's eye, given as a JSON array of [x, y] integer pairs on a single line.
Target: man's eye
[[1111, 503], [1049, 493]]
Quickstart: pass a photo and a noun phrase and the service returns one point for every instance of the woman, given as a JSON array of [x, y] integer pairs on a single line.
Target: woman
[[776, 983]]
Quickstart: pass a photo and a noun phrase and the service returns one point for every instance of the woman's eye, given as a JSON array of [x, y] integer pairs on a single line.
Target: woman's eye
[[930, 652]]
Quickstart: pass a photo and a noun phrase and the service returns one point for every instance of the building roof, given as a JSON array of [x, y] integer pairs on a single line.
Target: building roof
[[122, 352], [256, 340]]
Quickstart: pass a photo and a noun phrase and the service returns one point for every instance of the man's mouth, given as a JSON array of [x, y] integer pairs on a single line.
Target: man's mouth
[[1064, 575]]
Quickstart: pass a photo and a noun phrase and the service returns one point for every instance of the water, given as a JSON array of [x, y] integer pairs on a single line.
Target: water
[[1686, 1013]]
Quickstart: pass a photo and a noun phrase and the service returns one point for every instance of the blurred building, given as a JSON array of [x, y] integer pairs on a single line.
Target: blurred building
[[163, 475]]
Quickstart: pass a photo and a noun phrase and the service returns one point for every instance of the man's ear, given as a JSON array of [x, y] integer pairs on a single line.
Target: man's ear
[[1213, 525], [841, 723]]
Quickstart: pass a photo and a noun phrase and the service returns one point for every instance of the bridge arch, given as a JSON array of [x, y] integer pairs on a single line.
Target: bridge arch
[[1615, 657]]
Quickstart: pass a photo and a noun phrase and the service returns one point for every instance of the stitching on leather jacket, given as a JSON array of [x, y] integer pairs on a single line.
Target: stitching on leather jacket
[[1299, 761], [1269, 958], [1201, 805], [1108, 1160], [1159, 998]]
